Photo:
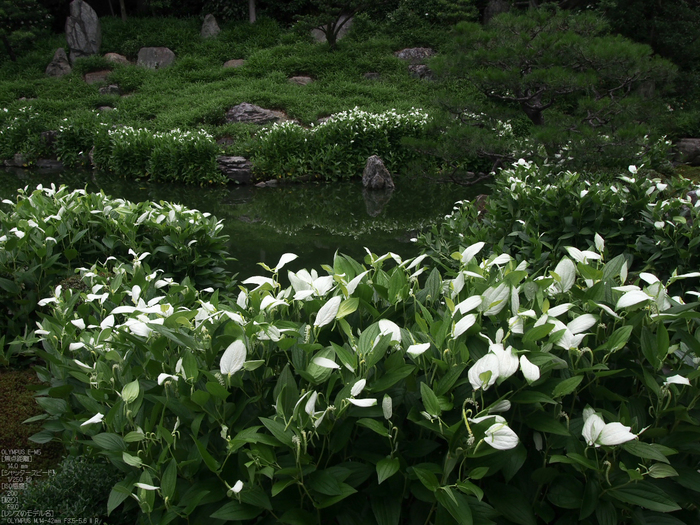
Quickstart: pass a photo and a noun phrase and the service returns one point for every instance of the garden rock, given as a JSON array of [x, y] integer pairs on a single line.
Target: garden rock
[[494, 8], [236, 62], [415, 55], [96, 76], [49, 164], [420, 71], [246, 112], [346, 20], [116, 58], [59, 66], [237, 169], [83, 32], [301, 81], [375, 175], [372, 76], [112, 89], [210, 28], [155, 57], [688, 152]]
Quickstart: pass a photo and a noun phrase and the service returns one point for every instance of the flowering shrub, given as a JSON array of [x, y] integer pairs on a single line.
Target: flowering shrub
[[21, 133], [339, 147], [185, 156], [383, 389], [535, 213], [48, 232]]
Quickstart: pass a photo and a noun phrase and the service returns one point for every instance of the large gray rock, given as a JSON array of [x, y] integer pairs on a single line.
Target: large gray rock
[[237, 169], [688, 152], [415, 55], [301, 80], [116, 58], [59, 66], [251, 113], [209, 27], [155, 57], [83, 32], [375, 175]]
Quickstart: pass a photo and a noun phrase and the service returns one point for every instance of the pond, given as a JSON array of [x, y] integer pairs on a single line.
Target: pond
[[312, 220]]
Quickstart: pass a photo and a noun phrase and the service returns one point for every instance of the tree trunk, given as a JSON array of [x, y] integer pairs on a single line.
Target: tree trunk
[[122, 7], [251, 11], [8, 46]]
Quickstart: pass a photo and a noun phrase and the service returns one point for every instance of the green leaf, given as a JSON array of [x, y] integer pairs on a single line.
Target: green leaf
[[427, 478], [55, 407], [374, 425], [662, 342], [209, 460], [392, 377], [386, 468], [430, 400], [109, 441], [130, 391], [235, 511], [544, 422], [606, 514], [649, 348], [511, 503], [216, 390], [386, 509], [347, 307], [132, 461], [645, 450], [118, 494], [619, 338], [277, 429], [169, 479], [538, 332], [456, 504], [661, 470], [134, 436], [645, 495], [567, 386]]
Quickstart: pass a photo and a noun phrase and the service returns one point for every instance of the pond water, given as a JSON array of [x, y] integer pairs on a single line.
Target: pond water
[[312, 220]]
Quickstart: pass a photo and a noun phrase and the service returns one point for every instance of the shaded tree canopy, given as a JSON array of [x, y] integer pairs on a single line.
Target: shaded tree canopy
[[20, 22]]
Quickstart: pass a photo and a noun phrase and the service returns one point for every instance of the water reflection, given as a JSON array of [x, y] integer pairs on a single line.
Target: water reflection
[[313, 221]]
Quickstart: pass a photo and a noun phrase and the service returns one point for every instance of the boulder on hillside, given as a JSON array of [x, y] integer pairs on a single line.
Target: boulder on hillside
[[420, 71], [116, 58], [112, 89], [237, 169], [209, 27], [375, 175], [155, 57], [246, 112], [83, 32], [59, 65], [301, 81], [236, 62], [96, 76], [688, 152], [415, 55]]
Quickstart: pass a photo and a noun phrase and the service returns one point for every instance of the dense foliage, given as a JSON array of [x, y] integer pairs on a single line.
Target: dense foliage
[[49, 232]]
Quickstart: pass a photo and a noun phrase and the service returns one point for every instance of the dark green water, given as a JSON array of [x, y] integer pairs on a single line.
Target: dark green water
[[312, 220]]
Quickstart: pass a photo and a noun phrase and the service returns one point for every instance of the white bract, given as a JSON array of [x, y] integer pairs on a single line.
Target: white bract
[[233, 358], [596, 432]]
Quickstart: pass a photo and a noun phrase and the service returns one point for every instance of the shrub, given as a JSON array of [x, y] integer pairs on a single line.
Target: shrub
[[185, 156], [372, 391], [21, 133], [536, 212], [339, 147], [49, 232]]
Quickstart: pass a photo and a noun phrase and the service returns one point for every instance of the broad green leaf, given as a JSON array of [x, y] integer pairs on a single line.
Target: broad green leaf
[[661, 470], [649, 348], [132, 461], [347, 307], [386, 509], [216, 390], [374, 425], [427, 478], [567, 386], [55, 407], [109, 441], [209, 460], [277, 429], [130, 391], [169, 479], [544, 422], [392, 377], [538, 332], [430, 400], [645, 495], [235, 511], [511, 503], [386, 468], [456, 504]]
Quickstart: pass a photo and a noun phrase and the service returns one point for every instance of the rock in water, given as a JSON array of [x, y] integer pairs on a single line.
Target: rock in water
[[155, 57], [83, 32], [376, 176], [210, 28], [59, 66]]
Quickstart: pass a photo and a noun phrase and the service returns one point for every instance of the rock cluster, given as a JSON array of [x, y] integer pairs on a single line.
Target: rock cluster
[[235, 168], [416, 57]]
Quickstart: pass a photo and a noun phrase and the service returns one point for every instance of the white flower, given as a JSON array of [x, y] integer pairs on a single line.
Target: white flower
[[597, 433], [358, 387], [677, 380], [328, 312], [162, 377], [363, 402], [94, 419], [233, 358], [484, 372], [146, 486], [389, 327], [79, 323], [324, 362], [501, 437], [530, 371], [237, 487], [417, 349], [387, 406]]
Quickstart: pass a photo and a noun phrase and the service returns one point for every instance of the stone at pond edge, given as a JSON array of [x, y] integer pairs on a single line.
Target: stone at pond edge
[[375, 175], [83, 32], [246, 112], [59, 65], [209, 27], [236, 62], [688, 151], [155, 57], [235, 168]]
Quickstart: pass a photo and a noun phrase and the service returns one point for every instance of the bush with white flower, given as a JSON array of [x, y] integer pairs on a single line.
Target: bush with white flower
[[496, 394]]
